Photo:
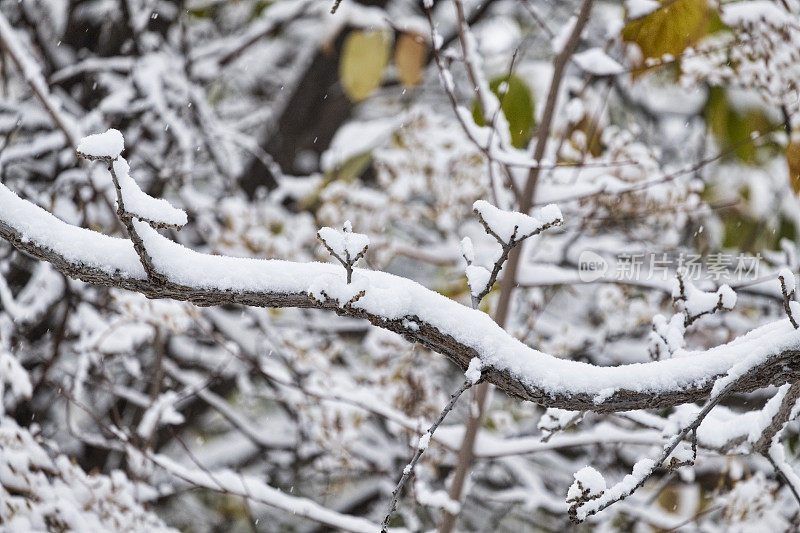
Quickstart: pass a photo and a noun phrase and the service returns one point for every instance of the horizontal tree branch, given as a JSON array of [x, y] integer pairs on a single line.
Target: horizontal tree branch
[[399, 305]]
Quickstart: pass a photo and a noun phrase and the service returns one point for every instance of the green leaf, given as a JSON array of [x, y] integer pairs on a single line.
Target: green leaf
[[259, 8], [350, 169], [733, 128], [740, 232], [204, 12], [365, 55], [517, 104], [793, 160], [347, 171]]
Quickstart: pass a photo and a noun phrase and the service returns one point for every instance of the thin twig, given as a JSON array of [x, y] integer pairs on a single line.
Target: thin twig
[[407, 471], [787, 298]]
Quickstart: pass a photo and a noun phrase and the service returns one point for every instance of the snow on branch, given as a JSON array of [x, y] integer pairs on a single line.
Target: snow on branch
[[32, 73], [105, 146], [508, 228], [772, 418], [667, 335], [396, 304], [155, 211], [132, 201], [14, 375], [761, 433], [512, 227], [584, 506], [161, 412], [554, 420], [696, 303], [692, 303], [589, 485], [252, 488], [345, 246], [422, 445], [43, 491], [596, 62]]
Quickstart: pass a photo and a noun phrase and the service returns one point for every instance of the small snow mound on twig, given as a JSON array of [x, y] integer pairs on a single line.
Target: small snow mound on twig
[[588, 483], [344, 243], [467, 250], [698, 302], [596, 61], [477, 278], [161, 412], [788, 279], [424, 441], [473, 372], [101, 145], [503, 223]]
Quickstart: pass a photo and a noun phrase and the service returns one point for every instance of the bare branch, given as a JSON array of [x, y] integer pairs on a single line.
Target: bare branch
[[788, 297], [421, 447]]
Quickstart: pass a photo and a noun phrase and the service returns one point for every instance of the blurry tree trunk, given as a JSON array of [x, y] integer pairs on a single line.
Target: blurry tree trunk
[[314, 113], [316, 109]]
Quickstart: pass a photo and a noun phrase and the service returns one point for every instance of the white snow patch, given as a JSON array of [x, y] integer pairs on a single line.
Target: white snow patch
[[344, 243], [143, 206], [473, 372], [640, 8], [424, 441], [477, 278], [788, 279], [586, 479], [596, 61], [505, 223], [107, 144]]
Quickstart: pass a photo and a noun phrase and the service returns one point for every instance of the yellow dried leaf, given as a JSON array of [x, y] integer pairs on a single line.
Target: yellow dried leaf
[[410, 57], [671, 29], [365, 55]]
